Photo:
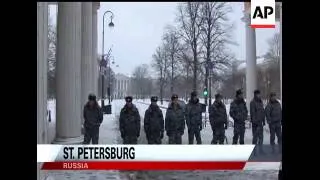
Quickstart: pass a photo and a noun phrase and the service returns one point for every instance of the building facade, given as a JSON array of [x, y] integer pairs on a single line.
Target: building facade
[[121, 86]]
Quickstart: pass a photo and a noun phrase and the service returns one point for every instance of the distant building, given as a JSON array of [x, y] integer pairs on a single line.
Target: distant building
[[121, 86]]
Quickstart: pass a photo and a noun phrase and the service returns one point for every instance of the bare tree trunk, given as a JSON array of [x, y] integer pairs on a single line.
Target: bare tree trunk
[[210, 89], [161, 90], [195, 70], [206, 82], [172, 73], [187, 83]]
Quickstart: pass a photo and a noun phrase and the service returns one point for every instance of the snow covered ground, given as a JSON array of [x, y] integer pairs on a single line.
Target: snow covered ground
[[109, 134]]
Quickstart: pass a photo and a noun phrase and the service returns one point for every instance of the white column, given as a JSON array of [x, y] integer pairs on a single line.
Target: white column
[[87, 76], [95, 66], [42, 51], [68, 74], [251, 72], [280, 6]]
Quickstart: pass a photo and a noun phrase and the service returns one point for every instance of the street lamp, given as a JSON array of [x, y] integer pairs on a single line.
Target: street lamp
[[111, 25], [109, 82]]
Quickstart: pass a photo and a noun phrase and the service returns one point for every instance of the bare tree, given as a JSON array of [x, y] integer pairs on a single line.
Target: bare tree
[[273, 53], [186, 63], [52, 44], [160, 64], [214, 37], [141, 81], [233, 79], [190, 22], [272, 59], [172, 47]]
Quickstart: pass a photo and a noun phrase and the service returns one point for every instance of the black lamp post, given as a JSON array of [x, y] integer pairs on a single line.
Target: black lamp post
[[109, 82], [103, 61]]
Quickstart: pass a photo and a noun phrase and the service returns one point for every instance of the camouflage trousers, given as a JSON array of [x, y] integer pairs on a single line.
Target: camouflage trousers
[[218, 134], [91, 134], [154, 138], [275, 130], [194, 132], [238, 133], [130, 140], [257, 133], [175, 138]]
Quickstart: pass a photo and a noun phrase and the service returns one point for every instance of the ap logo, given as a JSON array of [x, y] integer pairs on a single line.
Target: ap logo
[[263, 14]]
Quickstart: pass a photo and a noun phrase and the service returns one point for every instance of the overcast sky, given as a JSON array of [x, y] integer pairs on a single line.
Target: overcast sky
[[139, 27]]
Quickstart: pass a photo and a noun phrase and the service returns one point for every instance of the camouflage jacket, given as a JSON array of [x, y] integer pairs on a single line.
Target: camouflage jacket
[[274, 112], [218, 114], [174, 121], [238, 111], [129, 121], [193, 114], [257, 112], [153, 120]]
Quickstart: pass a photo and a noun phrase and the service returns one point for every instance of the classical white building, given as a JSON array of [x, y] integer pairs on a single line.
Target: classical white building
[[121, 86]]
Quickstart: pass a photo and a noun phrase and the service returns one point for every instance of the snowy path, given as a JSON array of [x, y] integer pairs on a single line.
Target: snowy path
[[109, 134], [206, 135]]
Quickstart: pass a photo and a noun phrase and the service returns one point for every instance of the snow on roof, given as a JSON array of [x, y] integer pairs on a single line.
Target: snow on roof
[[242, 66]]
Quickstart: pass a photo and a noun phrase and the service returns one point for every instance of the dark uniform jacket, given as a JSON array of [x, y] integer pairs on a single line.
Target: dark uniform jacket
[[274, 112], [153, 120], [174, 121], [257, 112], [92, 116], [129, 121], [193, 114], [218, 114], [238, 111]]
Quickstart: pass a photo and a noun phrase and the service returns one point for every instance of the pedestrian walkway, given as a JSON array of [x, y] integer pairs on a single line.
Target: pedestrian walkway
[[109, 134]]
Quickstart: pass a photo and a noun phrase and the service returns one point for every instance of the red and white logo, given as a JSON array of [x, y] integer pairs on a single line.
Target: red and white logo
[[263, 13]]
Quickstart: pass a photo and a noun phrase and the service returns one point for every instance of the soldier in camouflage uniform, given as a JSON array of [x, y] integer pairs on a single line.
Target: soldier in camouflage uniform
[[129, 122], [174, 121], [239, 113], [154, 122], [93, 117], [218, 120], [274, 119], [194, 119], [257, 116]]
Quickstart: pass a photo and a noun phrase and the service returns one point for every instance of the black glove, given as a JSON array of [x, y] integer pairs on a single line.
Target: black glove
[[161, 135], [138, 135], [226, 126], [200, 127], [263, 123]]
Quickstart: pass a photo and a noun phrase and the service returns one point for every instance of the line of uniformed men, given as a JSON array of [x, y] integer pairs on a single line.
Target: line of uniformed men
[[178, 115]]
